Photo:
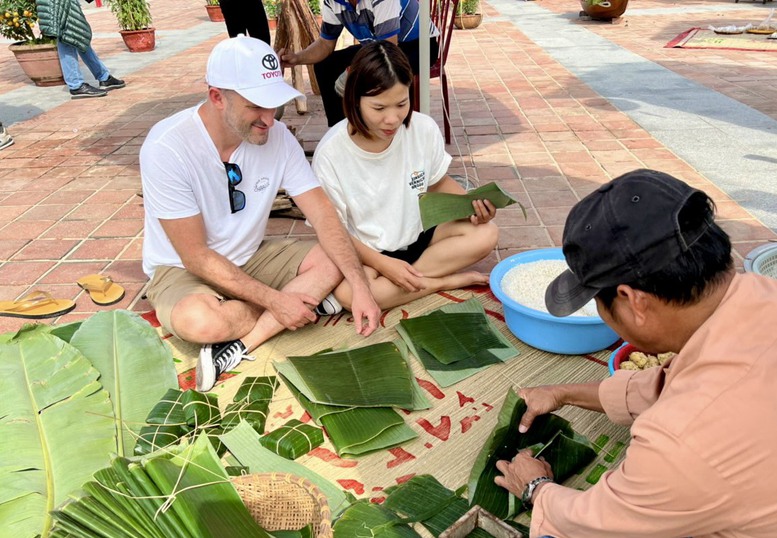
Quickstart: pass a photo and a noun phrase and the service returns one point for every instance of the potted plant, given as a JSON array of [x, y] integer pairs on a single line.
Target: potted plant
[[37, 55], [271, 9], [468, 15], [134, 17], [213, 7]]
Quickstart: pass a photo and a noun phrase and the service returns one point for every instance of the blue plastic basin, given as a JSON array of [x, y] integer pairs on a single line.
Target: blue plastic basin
[[572, 335]]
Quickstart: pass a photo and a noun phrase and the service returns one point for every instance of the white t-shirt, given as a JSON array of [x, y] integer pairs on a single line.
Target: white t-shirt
[[183, 176], [376, 194]]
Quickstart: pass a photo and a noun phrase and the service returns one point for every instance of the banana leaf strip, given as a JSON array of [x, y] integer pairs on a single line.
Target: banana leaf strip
[[439, 207], [450, 374], [293, 439], [136, 367], [370, 376], [257, 389], [243, 443], [568, 454], [157, 436], [200, 409], [56, 429], [358, 430], [451, 337], [425, 500], [169, 410], [250, 403], [364, 519]]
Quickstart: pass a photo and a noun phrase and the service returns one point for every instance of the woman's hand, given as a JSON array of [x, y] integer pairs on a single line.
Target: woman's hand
[[401, 274], [485, 211], [539, 401]]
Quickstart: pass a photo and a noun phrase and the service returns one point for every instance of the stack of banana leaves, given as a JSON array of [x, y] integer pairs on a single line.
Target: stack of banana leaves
[[456, 341], [354, 395]]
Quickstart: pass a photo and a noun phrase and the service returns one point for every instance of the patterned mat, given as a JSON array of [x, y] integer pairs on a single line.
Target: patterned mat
[[453, 431], [698, 38]]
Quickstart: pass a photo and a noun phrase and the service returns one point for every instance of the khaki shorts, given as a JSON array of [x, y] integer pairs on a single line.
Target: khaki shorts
[[275, 264]]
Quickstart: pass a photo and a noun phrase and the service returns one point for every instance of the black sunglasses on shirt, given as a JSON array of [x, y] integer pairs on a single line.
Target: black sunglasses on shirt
[[237, 199]]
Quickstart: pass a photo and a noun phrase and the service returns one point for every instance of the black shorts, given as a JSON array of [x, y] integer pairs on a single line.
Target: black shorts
[[414, 250]]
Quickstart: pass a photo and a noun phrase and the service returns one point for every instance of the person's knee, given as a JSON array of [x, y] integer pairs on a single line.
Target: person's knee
[[196, 316], [325, 269], [485, 237]]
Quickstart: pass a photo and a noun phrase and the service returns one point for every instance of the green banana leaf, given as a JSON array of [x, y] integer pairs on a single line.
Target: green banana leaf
[[136, 367], [364, 519], [451, 337], [450, 374], [425, 500], [251, 403], [200, 409], [293, 439], [56, 429], [179, 414], [304, 532], [439, 207], [243, 443], [370, 376], [358, 430], [179, 494], [567, 453]]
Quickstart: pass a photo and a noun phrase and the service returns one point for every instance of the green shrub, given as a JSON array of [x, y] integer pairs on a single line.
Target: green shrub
[[131, 14], [469, 7]]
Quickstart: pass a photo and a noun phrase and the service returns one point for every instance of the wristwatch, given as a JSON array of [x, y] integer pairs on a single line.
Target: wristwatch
[[530, 487]]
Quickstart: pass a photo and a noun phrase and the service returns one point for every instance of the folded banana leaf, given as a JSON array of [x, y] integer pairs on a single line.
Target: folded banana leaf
[[293, 439], [425, 500], [370, 376], [451, 337], [243, 443], [304, 532], [449, 374], [358, 430], [364, 519], [439, 207], [182, 493], [48, 391], [179, 414], [567, 453]]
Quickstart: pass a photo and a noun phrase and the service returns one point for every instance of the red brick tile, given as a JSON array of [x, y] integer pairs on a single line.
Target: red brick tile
[[119, 228], [124, 271], [562, 198], [25, 229], [46, 249], [71, 229], [23, 273], [46, 211], [9, 247], [747, 230], [93, 211], [523, 237], [68, 272], [99, 249]]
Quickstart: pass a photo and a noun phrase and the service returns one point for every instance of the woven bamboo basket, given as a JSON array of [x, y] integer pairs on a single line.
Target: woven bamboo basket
[[281, 501]]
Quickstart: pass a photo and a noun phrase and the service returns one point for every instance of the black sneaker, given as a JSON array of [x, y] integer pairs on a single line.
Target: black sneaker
[[85, 90], [215, 359], [112, 83]]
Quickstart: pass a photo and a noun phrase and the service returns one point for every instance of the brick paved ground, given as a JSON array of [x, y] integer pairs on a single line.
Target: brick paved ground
[[69, 203]]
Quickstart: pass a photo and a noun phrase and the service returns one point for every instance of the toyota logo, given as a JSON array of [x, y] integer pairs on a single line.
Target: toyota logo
[[270, 62]]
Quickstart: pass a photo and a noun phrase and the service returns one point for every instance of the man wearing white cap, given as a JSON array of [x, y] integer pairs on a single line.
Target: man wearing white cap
[[210, 174]]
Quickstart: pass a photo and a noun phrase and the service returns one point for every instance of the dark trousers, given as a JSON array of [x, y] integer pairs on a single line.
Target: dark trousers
[[331, 67], [246, 17]]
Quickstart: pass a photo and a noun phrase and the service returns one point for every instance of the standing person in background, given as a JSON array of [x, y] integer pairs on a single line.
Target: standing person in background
[[64, 20], [246, 17], [5, 138], [395, 21]]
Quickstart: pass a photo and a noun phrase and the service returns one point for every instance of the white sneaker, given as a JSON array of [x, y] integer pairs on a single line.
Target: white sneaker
[[215, 359], [329, 306]]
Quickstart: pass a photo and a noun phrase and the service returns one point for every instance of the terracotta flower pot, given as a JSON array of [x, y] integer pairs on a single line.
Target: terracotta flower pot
[[604, 9], [272, 23], [467, 21], [139, 40], [214, 13], [40, 62]]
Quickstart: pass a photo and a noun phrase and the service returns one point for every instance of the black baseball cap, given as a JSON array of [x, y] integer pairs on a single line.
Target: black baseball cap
[[627, 229]]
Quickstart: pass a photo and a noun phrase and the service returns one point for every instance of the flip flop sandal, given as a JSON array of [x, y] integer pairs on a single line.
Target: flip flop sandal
[[36, 305], [102, 289]]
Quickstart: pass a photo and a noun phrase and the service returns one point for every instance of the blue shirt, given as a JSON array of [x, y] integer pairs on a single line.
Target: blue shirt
[[372, 20]]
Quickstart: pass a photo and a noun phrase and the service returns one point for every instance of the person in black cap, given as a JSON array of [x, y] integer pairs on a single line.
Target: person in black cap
[[646, 247]]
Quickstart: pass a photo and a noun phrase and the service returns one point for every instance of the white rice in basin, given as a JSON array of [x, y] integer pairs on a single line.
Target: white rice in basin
[[526, 284]]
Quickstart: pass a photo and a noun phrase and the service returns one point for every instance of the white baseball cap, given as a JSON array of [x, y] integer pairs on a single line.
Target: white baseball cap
[[250, 67]]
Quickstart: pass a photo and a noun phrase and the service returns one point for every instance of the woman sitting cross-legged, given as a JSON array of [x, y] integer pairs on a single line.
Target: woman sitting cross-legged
[[374, 164]]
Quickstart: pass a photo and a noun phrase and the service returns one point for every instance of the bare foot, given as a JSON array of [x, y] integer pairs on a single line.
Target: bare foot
[[464, 279]]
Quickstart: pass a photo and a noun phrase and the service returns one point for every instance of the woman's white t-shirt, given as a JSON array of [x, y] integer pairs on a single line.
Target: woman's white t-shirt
[[376, 194], [183, 176]]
